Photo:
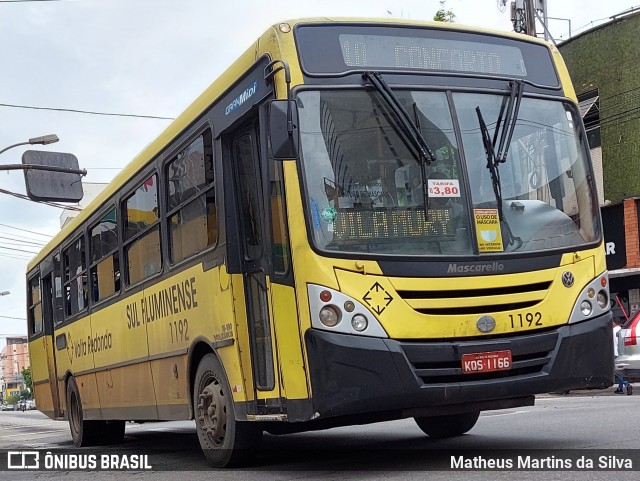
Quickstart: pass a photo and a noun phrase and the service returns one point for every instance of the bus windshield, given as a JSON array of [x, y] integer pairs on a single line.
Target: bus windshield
[[365, 190]]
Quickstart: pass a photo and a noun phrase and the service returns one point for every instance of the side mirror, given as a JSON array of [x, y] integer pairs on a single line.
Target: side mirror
[[284, 136], [52, 176]]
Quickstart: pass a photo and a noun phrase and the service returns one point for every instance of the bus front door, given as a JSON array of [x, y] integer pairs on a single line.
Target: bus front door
[[250, 209]]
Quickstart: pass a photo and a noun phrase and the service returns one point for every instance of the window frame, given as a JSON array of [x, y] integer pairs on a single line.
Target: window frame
[[125, 243], [112, 206], [197, 133], [65, 247], [31, 306]]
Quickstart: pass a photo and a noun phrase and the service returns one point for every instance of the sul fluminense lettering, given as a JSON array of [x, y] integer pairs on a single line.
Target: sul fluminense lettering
[[175, 299]]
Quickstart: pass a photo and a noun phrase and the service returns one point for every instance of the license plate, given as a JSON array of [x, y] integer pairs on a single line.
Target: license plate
[[486, 361]]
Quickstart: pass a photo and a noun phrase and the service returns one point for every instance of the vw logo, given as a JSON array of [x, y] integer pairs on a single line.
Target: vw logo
[[486, 324], [567, 279]]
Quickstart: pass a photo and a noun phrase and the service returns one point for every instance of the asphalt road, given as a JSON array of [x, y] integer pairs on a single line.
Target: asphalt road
[[584, 424]]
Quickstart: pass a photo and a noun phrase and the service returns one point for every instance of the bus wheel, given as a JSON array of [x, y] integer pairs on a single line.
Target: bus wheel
[[83, 433], [447, 426], [224, 441]]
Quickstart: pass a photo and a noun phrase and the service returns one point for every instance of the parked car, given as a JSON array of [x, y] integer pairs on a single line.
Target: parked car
[[7, 407], [628, 360], [31, 404]]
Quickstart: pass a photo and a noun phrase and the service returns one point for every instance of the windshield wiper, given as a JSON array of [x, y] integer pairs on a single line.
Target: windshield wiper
[[409, 129], [492, 165], [516, 89]]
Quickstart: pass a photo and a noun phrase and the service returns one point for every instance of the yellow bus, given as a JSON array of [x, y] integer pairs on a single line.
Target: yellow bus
[[360, 220]]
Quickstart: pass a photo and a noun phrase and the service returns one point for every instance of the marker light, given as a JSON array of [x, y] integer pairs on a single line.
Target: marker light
[[591, 292], [349, 306], [325, 296], [603, 281]]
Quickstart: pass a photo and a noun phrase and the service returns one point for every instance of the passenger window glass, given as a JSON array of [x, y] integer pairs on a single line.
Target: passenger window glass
[[105, 270], [193, 226], [142, 208], [76, 290], [35, 307], [58, 300], [143, 256]]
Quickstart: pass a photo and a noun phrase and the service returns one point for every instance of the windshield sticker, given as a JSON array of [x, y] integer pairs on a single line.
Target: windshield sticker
[[488, 230], [444, 187], [329, 214], [315, 215]]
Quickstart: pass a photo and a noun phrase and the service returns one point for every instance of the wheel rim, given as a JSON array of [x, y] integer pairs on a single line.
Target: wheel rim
[[212, 411]]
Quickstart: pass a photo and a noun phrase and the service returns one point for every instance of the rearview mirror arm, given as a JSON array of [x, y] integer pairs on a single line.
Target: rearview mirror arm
[[50, 168]]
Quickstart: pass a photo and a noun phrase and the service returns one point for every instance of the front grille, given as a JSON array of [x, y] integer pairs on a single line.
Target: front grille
[[475, 301], [440, 362]]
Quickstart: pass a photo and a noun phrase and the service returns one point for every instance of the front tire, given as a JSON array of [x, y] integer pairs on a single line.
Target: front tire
[[225, 442], [447, 426]]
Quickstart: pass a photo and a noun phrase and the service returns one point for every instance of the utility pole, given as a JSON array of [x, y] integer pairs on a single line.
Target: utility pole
[[524, 14]]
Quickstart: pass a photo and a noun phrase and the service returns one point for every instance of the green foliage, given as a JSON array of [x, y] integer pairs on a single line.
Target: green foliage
[[28, 380], [444, 15]]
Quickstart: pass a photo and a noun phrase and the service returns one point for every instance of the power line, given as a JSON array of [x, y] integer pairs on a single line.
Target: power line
[[89, 112], [26, 230], [19, 250], [52, 204]]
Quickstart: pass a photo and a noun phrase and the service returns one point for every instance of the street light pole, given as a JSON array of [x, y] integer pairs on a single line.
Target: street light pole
[[43, 140]]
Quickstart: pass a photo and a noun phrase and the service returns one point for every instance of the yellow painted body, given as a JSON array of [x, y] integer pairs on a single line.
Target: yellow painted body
[[131, 358]]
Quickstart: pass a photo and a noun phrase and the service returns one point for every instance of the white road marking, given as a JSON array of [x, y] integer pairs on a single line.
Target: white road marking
[[493, 415], [30, 434]]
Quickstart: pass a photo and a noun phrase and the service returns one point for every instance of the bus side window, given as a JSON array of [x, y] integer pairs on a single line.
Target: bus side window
[[105, 264], [58, 299], [191, 205], [142, 232], [76, 291], [35, 307]]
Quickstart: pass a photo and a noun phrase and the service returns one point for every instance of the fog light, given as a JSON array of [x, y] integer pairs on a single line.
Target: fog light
[[603, 299], [329, 316], [585, 308], [349, 306], [359, 322]]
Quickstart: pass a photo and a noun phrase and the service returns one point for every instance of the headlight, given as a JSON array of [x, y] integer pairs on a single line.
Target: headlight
[[328, 307], [585, 308], [359, 322], [329, 316], [603, 299]]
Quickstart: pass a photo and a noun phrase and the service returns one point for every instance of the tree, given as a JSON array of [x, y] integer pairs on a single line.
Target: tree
[[444, 15], [28, 380]]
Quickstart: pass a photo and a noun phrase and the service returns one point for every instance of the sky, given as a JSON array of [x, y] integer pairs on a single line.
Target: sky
[[151, 58]]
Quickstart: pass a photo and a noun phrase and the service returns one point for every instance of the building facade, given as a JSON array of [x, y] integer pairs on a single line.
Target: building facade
[[605, 70], [14, 357]]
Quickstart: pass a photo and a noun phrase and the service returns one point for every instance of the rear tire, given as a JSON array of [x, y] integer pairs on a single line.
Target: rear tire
[[447, 426], [83, 433], [225, 442]]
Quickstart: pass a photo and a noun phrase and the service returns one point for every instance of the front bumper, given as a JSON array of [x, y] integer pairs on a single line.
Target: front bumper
[[355, 375]]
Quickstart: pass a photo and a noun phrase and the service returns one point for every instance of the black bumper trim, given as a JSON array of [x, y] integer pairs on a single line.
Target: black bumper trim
[[352, 374]]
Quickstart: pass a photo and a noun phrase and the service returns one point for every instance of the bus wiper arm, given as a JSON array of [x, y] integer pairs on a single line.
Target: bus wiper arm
[[408, 126], [516, 88], [492, 165]]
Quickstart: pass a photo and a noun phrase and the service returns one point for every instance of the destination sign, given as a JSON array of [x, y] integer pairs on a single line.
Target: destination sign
[[348, 48]]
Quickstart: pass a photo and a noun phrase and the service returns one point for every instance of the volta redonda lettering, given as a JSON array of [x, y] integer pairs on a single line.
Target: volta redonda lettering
[[93, 344], [175, 299]]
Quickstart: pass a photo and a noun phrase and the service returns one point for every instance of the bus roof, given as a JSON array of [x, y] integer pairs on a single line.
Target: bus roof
[[218, 87]]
